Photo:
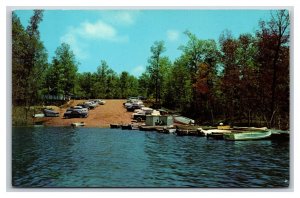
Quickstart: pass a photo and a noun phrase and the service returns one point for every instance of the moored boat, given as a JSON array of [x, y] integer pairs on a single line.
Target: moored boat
[[183, 120], [186, 132], [129, 127], [39, 115], [77, 124], [279, 135], [212, 131], [247, 135], [115, 126], [215, 136], [169, 130], [126, 127]]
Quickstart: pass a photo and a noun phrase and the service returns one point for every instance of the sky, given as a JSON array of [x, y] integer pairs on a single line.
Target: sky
[[123, 38]]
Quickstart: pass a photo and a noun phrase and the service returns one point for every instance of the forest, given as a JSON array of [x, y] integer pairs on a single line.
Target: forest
[[241, 80]]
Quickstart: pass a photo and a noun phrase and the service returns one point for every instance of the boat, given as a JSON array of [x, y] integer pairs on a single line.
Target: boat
[[226, 127], [215, 136], [129, 127], [38, 115], [169, 130], [186, 132], [248, 135], [115, 126], [250, 128], [212, 131], [77, 124], [279, 135], [183, 120]]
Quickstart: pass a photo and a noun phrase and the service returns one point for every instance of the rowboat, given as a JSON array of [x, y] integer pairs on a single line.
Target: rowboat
[[39, 115], [170, 130], [129, 127], [77, 124], [280, 135], [248, 135], [213, 131], [183, 120], [115, 126]]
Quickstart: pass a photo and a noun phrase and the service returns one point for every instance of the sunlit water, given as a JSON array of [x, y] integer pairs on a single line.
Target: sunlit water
[[93, 157]]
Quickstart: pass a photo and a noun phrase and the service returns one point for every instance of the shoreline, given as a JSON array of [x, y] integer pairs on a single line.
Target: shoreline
[[112, 112]]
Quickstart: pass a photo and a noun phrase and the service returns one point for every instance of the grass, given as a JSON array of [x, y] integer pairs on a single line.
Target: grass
[[19, 113]]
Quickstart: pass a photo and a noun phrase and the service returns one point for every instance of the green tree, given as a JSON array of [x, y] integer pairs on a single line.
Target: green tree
[[124, 84], [144, 82], [181, 84], [29, 61], [86, 82], [36, 58], [61, 76], [19, 49], [101, 79], [196, 54], [112, 84], [154, 68]]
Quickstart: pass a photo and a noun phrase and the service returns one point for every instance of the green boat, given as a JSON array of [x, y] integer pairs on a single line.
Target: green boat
[[247, 135]]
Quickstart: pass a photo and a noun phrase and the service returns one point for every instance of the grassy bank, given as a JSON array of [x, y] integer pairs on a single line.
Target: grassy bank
[[22, 116]]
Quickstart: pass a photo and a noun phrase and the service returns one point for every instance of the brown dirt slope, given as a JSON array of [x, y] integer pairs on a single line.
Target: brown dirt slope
[[112, 112]]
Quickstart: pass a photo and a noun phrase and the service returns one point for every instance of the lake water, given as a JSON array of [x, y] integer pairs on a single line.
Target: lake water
[[93, 157]]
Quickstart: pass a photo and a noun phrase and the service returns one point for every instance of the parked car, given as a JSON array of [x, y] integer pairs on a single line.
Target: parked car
[[50, 113], [92, 105], [85, 106], [133, 106], [100, 102], [78, 107], [75, 113]]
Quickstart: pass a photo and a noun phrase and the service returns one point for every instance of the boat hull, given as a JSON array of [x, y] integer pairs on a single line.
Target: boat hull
[[243, 136]]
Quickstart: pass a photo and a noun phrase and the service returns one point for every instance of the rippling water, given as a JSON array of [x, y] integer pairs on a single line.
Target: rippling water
[[93, 157]]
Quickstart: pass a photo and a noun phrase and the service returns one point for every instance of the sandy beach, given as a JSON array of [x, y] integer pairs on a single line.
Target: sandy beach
[[112, 112]]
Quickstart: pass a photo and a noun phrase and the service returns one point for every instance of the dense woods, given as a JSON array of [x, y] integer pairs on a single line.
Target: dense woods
[[243, 80]]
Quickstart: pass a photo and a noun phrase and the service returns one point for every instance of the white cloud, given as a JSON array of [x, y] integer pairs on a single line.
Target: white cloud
[[98, 30], [78, 37], [122, 17], [172, 35], [138, 70]]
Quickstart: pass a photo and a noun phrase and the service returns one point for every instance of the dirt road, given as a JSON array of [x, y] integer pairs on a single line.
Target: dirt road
[[112, 112]]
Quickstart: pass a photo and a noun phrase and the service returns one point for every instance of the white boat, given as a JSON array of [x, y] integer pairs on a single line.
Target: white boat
[[183, 120], [77, 124], [213, 131], [170, 130], [39, 115]]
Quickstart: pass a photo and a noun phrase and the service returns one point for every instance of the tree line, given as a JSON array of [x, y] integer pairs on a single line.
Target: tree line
[[235, 80]]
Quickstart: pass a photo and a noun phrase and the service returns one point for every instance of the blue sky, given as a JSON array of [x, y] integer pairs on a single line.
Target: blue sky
[[123, 37]]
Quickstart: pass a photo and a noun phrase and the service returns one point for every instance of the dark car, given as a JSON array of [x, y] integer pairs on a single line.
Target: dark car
[[75, 114]]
